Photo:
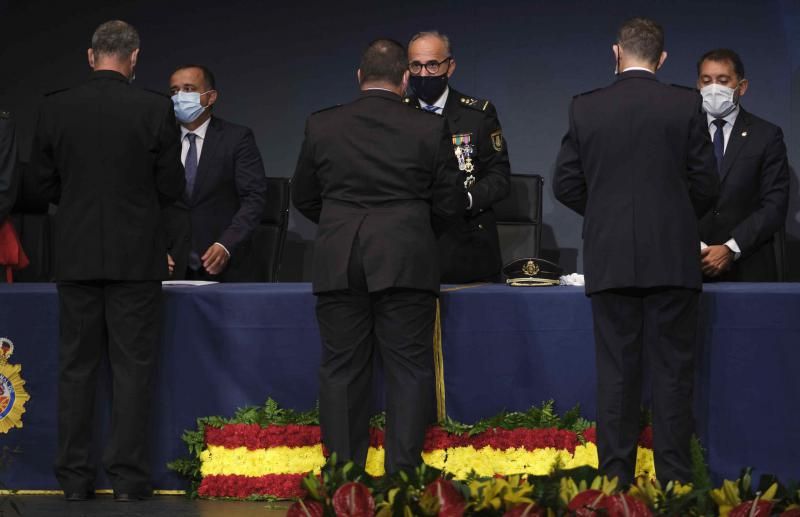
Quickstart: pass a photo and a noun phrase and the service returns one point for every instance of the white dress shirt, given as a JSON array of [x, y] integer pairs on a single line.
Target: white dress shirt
[[198, 142]]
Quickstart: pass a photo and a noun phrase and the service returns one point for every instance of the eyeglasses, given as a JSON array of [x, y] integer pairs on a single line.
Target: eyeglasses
[[415, 67]]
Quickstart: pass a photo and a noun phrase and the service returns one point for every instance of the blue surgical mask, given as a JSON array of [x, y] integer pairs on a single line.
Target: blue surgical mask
[[187, 106]]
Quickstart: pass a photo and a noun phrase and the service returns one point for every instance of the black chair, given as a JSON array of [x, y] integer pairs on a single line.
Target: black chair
[[270, 235], [519, 218]]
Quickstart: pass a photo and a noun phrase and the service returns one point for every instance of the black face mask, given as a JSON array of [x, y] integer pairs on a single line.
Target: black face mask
[[428, 88]]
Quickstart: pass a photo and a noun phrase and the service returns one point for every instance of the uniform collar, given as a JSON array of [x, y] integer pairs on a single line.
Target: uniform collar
[[108, 74], [730, 118], [200, 131]]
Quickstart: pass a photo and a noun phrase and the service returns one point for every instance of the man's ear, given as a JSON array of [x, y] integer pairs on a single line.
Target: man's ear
[[404, 83], [90, 57], [452, 68], [743, 84], [134, 58], [358, 76], [212, 97], [615, 51], [661, 60]]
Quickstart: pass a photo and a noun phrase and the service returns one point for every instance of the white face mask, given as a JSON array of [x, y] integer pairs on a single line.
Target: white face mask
[[718, 100], [187, 106]]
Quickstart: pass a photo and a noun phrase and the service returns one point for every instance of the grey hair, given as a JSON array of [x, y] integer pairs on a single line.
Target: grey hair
[[115, 38], [433, 34]]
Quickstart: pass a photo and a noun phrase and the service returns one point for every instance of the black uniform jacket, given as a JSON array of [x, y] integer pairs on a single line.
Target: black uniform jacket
[[638, 164], [376, 170], [470, 251], [108, 154], [753, 198]]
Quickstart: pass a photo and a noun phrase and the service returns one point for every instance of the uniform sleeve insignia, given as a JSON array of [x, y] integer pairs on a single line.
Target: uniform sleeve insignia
[[12, 389], [497, 140]]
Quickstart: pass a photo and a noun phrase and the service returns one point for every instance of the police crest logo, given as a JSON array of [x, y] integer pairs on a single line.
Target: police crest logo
[[497, 140], [12, 389]]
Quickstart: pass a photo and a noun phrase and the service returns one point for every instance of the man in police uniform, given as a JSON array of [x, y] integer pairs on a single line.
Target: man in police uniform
[[108, 154], [373, 173], [638, 164], [469, 251]]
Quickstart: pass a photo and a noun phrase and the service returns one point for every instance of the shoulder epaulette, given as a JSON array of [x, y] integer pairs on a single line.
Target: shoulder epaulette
[[48, 94], [411, 102], [682, 87], [5, 114], [327, 109], [587, 93], [472, 102]]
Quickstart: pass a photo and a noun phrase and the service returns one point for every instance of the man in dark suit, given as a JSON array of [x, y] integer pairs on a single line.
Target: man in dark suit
[[109, 155], [372, 174], [209, 229], [637, 163], [737, 235], [469, 251]]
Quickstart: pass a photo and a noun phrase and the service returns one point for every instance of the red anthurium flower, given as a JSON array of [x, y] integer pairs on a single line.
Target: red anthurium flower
[[353, 500], [586, 503], [451, 504], [623, 505], [306, 508], [761, 508]]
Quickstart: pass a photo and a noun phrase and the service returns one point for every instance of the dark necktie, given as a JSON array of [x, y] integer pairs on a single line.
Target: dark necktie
[[719, 142], [191, 165], [432, 108]]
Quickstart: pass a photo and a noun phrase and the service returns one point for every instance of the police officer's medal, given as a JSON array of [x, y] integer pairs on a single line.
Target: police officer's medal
[[465, 151], [12, 389]]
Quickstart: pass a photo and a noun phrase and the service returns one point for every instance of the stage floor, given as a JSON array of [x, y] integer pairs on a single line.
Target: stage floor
[[227, 346]]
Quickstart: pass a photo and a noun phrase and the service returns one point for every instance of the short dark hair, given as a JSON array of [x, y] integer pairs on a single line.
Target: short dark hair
[[723, 54], [643, 38], [384, 60], [115, 38], [208, 75]]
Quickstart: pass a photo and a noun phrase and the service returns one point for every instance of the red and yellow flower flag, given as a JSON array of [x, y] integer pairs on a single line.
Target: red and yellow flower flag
[[244, 460]]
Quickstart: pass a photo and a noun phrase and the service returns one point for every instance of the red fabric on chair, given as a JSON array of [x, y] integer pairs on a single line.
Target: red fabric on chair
[[12, 256]]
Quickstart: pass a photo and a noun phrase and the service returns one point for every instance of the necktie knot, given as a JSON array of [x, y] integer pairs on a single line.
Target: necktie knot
[[432, 108], [719, 122], [191, 137]]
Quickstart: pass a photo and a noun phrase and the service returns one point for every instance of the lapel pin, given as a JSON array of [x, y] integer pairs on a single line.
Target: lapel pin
[[744, 133]]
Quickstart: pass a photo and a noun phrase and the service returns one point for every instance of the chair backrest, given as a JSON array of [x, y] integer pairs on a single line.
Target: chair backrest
[[779, 245], [270, 235], [519, 218]]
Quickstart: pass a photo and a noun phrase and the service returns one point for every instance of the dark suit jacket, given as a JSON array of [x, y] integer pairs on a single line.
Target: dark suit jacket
[[376, 169], [470, 251], [108, 154], [9, 179], [227, 203], [638, 164], [753, 199]]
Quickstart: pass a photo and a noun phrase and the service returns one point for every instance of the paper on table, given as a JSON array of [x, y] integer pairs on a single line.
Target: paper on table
[[188, 282]]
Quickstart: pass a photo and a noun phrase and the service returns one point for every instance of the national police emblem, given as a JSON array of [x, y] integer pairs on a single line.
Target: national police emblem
[[12, 389]]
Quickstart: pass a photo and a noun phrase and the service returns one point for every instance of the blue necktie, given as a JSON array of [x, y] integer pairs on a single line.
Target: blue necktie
[[432, 108], [719, 143], [191, 165]]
